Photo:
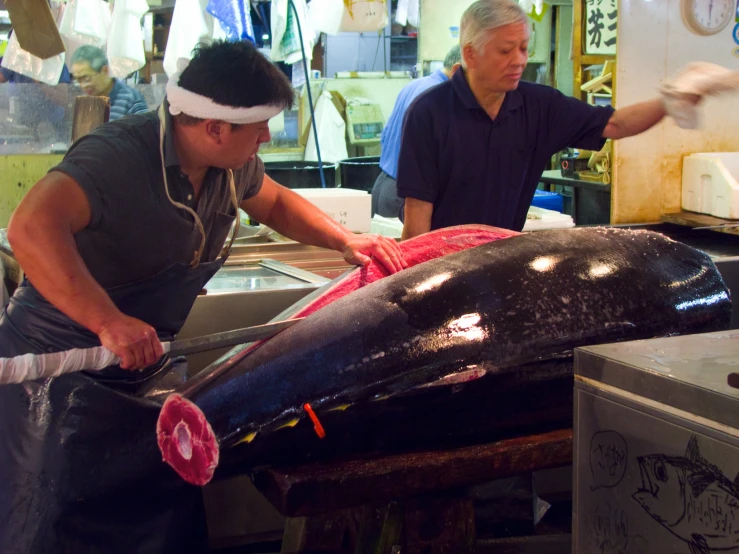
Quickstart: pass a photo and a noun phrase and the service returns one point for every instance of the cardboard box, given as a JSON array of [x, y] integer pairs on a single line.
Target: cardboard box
[[352, 208]]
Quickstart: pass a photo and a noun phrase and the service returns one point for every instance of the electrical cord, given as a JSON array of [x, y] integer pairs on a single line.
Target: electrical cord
[[310, 94]]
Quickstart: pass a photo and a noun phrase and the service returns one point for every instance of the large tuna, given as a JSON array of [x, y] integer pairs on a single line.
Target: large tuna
[[496, 323]]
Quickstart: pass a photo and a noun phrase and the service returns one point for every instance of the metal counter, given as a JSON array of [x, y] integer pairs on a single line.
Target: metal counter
[[241, 295]]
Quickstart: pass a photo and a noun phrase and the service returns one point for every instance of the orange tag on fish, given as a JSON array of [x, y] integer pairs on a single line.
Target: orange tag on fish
[[320, 431]]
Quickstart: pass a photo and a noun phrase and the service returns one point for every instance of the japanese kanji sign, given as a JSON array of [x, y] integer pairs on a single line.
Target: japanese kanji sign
[[600, 26]]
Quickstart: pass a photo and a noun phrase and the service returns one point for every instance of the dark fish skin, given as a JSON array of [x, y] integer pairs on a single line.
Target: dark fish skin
[[513, 309]]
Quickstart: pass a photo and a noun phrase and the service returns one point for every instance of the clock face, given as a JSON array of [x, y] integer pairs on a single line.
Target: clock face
[[707, 17]]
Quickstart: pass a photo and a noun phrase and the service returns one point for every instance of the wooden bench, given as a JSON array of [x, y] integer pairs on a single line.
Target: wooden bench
[[404, 503]]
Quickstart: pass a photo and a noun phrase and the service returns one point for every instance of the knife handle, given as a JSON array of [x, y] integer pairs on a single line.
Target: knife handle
[[29, 367]]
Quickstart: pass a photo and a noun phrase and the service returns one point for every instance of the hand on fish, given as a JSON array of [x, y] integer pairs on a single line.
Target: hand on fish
[[133, 341], [360, 249]]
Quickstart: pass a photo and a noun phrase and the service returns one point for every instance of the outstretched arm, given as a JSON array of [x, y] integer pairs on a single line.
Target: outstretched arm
[[634, 119]]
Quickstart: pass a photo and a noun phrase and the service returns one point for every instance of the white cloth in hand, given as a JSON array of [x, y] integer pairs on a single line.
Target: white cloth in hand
[[695, 80]]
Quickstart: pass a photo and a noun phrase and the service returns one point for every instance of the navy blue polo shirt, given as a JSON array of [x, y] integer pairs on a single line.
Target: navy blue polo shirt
[[478, 170]]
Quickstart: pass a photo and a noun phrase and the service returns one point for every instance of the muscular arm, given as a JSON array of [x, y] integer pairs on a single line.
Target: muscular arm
[[41, 233], [634, 119], [417, 218], [291, 215]]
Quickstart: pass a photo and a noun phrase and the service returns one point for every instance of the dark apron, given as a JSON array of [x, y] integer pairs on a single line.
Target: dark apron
[[80, 470]]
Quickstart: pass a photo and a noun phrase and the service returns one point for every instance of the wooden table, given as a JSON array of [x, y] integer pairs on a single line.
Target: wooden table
[[591, 201], [691, 219], [413, 502]]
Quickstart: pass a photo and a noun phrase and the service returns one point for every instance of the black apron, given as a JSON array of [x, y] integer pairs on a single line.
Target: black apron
[[80, 469]]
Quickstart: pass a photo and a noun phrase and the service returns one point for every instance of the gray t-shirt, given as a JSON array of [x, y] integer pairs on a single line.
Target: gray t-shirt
[[134, 231]]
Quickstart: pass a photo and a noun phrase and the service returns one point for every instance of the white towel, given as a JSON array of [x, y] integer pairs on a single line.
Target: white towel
[[125, 42], [682, 92]]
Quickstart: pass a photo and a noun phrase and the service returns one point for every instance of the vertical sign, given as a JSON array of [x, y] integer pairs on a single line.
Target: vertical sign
[[600, 26]]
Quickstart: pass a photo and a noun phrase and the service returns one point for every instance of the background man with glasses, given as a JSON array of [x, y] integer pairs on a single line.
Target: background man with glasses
[[90, 71]]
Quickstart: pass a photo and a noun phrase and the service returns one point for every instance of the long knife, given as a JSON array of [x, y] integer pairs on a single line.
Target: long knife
[[29, 367]]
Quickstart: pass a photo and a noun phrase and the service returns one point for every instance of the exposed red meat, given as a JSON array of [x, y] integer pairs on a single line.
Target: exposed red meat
[[185, 437], [187, 441], [422, 248]]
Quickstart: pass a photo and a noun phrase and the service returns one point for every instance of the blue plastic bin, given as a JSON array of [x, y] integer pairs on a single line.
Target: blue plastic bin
[[548, 200]]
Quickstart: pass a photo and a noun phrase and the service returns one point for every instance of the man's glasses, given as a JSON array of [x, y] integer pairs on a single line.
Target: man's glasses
[[83, 79]]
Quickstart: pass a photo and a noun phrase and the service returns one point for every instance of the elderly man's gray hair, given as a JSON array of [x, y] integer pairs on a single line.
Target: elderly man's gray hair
[[485, 15], [453, 57], [92, 55]]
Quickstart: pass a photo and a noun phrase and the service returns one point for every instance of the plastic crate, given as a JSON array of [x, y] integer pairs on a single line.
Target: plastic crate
[[548, 200]]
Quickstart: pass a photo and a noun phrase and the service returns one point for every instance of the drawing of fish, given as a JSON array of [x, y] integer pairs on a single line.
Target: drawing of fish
[[691, 498]]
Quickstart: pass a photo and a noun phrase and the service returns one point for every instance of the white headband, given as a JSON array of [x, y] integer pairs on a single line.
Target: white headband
[[196, 105]]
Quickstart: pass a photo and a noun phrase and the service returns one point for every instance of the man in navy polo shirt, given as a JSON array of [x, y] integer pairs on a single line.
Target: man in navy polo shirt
[[473, 148]]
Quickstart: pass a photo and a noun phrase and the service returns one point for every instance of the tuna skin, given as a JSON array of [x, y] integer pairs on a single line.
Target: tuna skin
[[509, 312], [186, 439]]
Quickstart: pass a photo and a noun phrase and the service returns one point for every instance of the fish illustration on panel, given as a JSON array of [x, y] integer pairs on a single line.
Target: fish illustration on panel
[[692, 499]]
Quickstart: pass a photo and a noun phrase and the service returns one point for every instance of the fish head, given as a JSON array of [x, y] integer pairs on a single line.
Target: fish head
[[662, 491]]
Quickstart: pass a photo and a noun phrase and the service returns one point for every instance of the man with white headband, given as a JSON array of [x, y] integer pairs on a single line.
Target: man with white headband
[[116, 243]]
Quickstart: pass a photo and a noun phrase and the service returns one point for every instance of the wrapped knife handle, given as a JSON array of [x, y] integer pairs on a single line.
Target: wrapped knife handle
[[29, 367]]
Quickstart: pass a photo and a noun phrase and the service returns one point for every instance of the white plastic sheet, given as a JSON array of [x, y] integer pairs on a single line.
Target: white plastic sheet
[[125, 42], [407, 12], [234, 17], [331, 132], [45, 71], [325, 15], [191, 24], [85, 22], [285, 35]]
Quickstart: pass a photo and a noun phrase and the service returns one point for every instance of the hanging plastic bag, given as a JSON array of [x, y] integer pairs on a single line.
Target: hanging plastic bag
[[325, 15], [92, 19], [331, 132], [125, 43], [361, 16], [86, 27], [414, 17], [191, 24], [285, 33], [45, 71], [407, 13], [234, 17]]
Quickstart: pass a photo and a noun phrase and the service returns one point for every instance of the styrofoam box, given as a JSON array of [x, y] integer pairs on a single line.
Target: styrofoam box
[[350, 207], [541, 219], [710, 184]]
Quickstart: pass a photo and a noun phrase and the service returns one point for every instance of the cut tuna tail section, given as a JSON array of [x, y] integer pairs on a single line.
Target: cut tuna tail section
[[187, 441]]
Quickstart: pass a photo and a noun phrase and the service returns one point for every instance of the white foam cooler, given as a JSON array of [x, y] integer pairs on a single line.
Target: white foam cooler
[[710, 184], [350, 207]]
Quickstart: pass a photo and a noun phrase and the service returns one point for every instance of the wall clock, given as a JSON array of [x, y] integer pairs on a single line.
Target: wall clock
[[707, 17]]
